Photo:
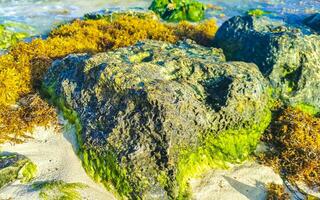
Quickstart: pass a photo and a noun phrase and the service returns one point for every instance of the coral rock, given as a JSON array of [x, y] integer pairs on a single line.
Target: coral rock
[[144, 106], [286, 55], [313, 22]]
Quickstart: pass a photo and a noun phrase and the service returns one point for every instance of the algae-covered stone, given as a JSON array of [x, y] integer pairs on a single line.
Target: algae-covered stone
[[288, 56], [16, 167], [151, 115], [313, 21], [113, 14]]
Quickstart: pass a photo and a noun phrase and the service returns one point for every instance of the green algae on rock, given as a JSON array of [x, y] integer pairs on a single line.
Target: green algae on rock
[[286, 55], [112, 15], [16, 167], [53, 190], [313, 22], [146, 112], [257, 12], [178, 10]]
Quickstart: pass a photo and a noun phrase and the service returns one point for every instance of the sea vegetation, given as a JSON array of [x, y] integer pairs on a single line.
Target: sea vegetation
[[231, 146], [23, 67], [14, 167], [179, 10], [28, 172], [257, 12], [294, 141], [102, 167], [276, 192], [12, 32], [59, 190], [105, 166], [307, 108], [17, 121]]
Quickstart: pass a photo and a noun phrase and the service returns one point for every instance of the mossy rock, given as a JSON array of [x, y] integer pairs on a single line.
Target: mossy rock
[[178, 10], [257, 12], [16, 167], [287, 55], [147, 115], [313, 21], [112, 15]]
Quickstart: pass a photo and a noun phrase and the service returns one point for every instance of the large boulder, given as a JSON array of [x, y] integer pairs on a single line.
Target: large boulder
[[152, 115], [287, 56]]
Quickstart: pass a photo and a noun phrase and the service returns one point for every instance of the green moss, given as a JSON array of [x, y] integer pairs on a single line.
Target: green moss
[[306, 108], [137, 58], [231, 146], [178, 10], [257, 12], [101, 165], [163, 179], [59, 190], [104, 168]]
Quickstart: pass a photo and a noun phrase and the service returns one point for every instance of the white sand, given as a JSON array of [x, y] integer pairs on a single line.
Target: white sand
[[239, 183], [53, 153]]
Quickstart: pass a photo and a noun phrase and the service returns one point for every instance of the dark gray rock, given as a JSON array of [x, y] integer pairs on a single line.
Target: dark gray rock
[[289, 58], [313, 21], [149, 102]]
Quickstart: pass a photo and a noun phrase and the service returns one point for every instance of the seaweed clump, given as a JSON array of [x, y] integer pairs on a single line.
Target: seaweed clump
[[179, 10], [257, 12], [294, 142], [52, 190], [17, 121], [23, 67], [276, 192]]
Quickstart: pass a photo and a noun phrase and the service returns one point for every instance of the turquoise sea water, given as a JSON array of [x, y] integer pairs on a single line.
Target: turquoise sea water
[[45, 14]]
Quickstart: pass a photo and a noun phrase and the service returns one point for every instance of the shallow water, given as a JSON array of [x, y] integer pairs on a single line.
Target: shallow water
[[45, 14]]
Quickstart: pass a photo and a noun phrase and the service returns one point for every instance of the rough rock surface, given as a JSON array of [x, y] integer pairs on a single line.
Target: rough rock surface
[[288, 56], [149, 102], [313, 22]]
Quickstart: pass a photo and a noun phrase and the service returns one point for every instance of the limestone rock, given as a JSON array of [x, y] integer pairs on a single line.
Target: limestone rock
[[313, 22], [140, 107], [287, 56], [15, 167]]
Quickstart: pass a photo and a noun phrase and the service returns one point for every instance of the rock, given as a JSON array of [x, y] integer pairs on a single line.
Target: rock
[[148, 114], [112, 14], [313, 21], [284, 54], [16, 167]]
